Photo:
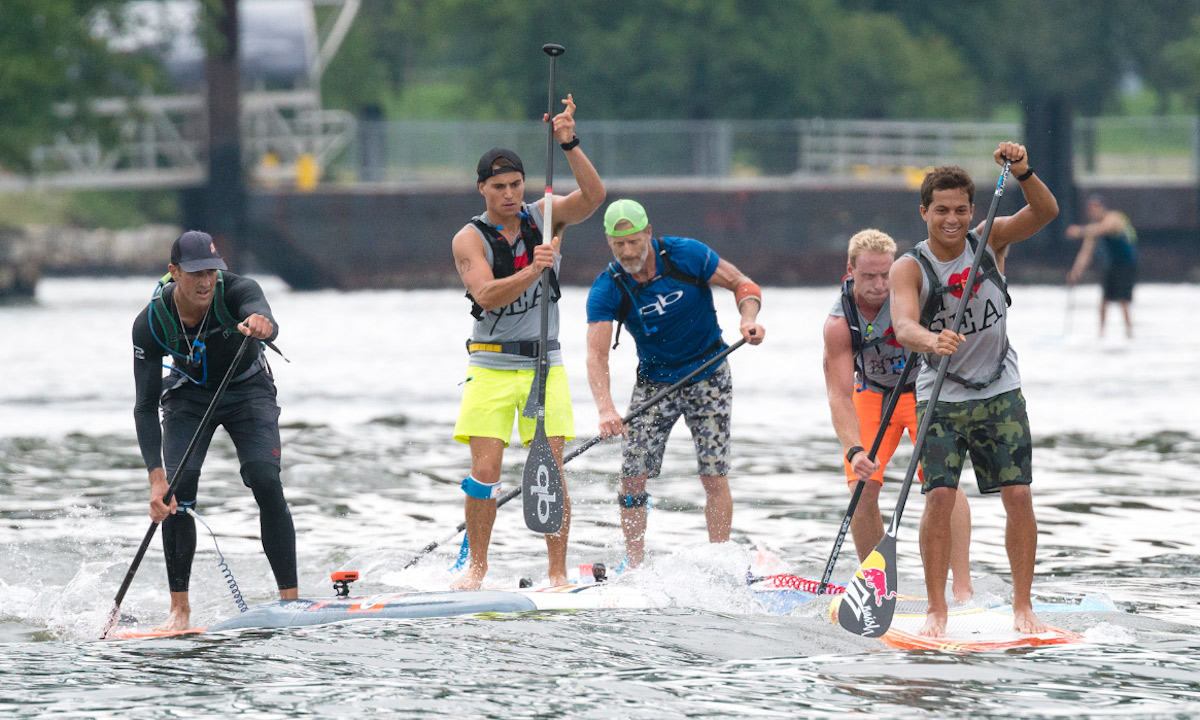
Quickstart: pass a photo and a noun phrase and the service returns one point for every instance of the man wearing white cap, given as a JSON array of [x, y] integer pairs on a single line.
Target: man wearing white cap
[[659, 289]]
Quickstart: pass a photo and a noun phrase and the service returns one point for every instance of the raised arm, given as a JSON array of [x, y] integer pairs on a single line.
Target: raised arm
[[476, 273], [581, 203], [748, 296], [1041, 206]]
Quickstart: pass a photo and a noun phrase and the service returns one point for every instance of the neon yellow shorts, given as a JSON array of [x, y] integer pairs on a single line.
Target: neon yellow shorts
[[492, 398]]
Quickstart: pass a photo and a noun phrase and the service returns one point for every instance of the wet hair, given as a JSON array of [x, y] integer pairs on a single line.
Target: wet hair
[[870, 241], [504, 162], [946, 177]]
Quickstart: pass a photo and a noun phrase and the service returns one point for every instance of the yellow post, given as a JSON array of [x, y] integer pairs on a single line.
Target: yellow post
[[307, 173]]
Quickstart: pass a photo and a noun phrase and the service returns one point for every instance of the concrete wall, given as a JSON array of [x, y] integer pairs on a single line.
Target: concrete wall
[[779, 234]]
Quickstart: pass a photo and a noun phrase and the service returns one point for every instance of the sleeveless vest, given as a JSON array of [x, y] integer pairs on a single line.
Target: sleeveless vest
[[985, 365], [878, 356], [519, 322], [504, 261]]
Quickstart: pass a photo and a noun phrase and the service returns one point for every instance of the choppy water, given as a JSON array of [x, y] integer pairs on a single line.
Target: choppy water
[[368, 406]]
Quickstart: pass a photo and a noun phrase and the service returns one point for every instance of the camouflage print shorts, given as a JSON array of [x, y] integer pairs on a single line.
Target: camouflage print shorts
[[705, 406], [994, 431]]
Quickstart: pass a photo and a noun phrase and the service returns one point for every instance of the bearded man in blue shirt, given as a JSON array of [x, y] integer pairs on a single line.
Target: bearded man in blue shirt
[[659, 290]]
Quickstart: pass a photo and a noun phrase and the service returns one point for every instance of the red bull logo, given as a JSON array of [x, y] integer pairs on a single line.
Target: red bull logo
[[876, 580], [958, 281]]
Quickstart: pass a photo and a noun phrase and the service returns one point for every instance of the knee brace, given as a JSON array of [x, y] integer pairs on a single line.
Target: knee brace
[[633, 501], [482, 491]]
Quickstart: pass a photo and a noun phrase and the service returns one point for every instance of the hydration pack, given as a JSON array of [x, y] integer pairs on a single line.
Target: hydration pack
[[504, 263]]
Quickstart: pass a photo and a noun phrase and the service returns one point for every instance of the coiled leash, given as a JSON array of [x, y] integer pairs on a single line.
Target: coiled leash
[[189, 508]]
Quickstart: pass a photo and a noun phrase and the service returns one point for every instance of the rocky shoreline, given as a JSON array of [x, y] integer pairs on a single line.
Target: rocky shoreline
[[30, 252]]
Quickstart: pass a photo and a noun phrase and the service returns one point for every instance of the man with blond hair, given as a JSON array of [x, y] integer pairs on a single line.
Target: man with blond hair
[[863, 361]]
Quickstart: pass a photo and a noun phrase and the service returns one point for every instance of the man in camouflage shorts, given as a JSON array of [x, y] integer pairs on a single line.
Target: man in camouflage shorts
[[979, 408], [659, 290]]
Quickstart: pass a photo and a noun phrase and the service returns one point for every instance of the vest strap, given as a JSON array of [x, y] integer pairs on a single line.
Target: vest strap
[[526, 348]]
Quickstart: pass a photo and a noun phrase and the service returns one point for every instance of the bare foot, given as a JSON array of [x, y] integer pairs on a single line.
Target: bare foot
[[289, 594], [179, 619], [1026, 622], [963, 592], [935, 624], [471, 579], [557, 579]]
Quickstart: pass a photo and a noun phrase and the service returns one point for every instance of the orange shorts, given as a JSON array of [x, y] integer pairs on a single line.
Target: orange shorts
[[869, 405]]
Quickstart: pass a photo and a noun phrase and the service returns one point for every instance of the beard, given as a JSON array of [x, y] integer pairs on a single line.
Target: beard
[[636, 267]]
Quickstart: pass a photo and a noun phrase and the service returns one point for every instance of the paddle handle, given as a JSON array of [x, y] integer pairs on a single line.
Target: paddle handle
[[174, 484]]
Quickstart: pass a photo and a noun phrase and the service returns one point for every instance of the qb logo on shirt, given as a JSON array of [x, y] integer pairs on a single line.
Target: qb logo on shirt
[[659, 306]]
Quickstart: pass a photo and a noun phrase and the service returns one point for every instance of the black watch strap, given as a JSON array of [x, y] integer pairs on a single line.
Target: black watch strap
[[854, 451], [571, 145]]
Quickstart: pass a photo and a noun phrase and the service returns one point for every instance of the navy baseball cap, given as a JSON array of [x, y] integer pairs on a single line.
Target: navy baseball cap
[[485, 170], [194, 251]]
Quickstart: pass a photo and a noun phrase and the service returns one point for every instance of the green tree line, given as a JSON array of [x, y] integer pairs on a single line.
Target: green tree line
[[699, 59]]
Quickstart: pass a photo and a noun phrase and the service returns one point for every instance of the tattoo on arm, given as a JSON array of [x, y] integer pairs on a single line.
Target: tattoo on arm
[[463, 266]]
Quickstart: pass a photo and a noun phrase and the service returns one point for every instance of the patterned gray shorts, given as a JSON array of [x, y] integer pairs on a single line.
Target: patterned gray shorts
[[706, 407]]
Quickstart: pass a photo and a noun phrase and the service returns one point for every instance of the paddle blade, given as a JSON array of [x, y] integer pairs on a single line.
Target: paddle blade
[[110, 624], [542, 487], [870, 599]]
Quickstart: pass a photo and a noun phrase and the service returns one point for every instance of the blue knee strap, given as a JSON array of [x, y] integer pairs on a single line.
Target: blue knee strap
[[183, 506], [476, 489], [633, 501]]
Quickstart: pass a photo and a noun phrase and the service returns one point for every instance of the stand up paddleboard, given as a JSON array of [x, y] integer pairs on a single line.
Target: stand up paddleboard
[[776, 594], [969, 628]]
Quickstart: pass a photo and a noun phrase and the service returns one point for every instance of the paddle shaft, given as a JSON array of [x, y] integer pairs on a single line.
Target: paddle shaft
[[535, 407], [960, 317], [174, 484], [884, 421], [544, 501], [590, 443]]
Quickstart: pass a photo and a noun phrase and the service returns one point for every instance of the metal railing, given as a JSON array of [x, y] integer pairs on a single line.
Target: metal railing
[[161, 144], [1165, 148], [161, 141]]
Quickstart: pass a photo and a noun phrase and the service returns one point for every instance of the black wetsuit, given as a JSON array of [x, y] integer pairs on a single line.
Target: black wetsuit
[[247, 410]]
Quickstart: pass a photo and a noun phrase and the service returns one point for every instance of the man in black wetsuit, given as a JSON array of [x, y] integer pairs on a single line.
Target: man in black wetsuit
[[198, 318]]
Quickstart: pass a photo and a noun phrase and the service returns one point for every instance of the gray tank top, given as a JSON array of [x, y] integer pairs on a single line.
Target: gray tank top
[[521, 320], [884, 362], [985, 327]]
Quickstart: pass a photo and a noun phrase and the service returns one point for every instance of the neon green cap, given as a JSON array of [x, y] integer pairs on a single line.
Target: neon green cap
[[629, 210]]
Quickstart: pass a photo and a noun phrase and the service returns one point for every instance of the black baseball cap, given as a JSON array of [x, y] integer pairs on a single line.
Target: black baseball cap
[[485, 170], [194, 251]]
